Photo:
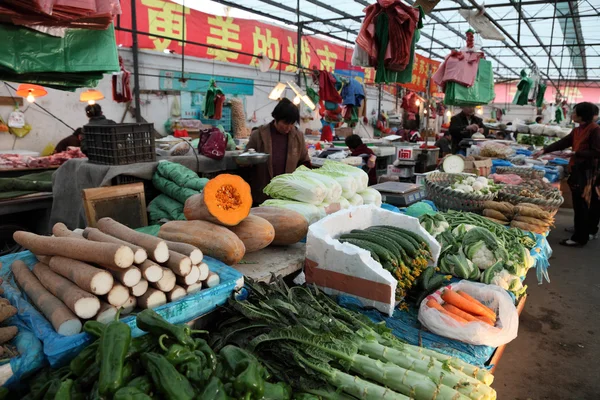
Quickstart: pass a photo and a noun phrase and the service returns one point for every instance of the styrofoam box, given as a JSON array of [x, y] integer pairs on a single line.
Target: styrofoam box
[[339, 267]]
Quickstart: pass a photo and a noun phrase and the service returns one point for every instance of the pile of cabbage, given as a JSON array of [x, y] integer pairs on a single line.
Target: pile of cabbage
[[314, 192], [479, 185]]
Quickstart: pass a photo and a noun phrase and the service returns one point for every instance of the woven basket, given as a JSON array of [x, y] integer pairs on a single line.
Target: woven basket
[[438, 190], [551, 202], [525, 173]]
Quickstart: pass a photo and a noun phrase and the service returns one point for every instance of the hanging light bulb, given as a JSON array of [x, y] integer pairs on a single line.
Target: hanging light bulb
[[91, 96], [480, 111], [417, 102], [449, 113], [297, 100], [30, 92], [425, 112], [30, 97]]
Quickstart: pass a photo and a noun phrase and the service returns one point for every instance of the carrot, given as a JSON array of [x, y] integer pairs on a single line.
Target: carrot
[[192, 252], [60, 230], [492, 314], [157, 248], [454, 310], [434, 304], [77, 249], [91, 279], [96, 235], [7, 333], [62, 319], [456, 300], [486, 320]]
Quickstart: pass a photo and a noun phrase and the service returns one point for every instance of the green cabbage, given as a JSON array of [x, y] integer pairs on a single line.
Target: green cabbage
[[371, 196], [334, 189], [357, 173], [297, 187], [311, 212]]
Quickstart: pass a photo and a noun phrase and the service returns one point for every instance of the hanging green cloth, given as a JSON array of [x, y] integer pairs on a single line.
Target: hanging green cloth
[[481, 93], [312, 94], [523, 88], [539, 100], [558, 115], [209, 101]]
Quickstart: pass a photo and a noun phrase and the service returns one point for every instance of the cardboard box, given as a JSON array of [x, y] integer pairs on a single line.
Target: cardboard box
[[566, 193], [480, 166], [337, 267]]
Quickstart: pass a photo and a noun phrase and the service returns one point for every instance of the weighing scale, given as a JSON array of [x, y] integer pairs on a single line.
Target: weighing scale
[[400, 193]]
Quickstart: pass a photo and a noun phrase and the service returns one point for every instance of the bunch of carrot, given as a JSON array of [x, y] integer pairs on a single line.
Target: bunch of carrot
[[463, 308]]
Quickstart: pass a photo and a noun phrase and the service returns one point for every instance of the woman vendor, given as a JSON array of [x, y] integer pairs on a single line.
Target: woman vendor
[[283, 141], [584, 172]]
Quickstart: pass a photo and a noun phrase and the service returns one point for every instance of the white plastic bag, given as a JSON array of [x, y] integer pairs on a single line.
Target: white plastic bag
[[477, 333], [16, 119]]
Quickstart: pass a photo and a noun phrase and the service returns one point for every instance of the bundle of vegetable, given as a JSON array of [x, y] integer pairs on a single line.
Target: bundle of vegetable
[[370, 196], [360, 176], [306, 339], [463, 308], [403, 253], [498, 212], [532, 218], [470, 184], [434, 224], [170, 362], [300, 187], [499, 276]]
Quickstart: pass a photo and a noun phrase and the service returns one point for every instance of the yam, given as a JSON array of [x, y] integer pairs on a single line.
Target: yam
[[128, 276], [129, 305], [62, 319], [150, 271], [91, 279], [494, 214], [504, 207], [497, 221], [77, 249], [7, 333], [196, 287], [203, 271], [532, 212], [190, 278], [151, 299], [192, 252], [290, 226], [60, 230], [7, 311], [156, 248], [84, 304], [139, 254], [176, 293], [528, 227], [178, 263], [212, 280], [140, 288], [4, 301], [255, 232], [107, 313], [532, 220], [213, 240], [118, 295], [167, 282], [44, 259]]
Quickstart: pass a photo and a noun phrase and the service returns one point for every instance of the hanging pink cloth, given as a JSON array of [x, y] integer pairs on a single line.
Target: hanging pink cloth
[[459, 67]]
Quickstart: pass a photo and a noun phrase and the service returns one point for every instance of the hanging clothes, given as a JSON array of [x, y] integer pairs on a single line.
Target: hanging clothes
[[409, 103], [213, 102], [327, 91], [121, 89], [523, 88], [353, 93], [459, 67], [539, 101]]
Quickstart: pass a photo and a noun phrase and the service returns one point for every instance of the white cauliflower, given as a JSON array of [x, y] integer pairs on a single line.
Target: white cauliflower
[[482, 257], [477, 186], [470, 180], [483, 180]]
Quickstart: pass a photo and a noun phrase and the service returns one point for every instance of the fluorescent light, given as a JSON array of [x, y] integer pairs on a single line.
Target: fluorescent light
[[277, 91]]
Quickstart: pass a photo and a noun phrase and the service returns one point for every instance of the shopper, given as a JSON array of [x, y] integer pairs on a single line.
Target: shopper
[[283, 141], [463, 125], [584, 172], [73, 140], [359, 149], [95, 115], [445, 144]]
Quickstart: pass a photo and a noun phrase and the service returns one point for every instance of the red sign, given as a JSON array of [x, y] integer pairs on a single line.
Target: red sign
[[163, 18], [405, 154]]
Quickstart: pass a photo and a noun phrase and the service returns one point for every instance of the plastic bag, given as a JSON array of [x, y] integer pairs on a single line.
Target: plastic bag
[[16, 119], [492, 296]]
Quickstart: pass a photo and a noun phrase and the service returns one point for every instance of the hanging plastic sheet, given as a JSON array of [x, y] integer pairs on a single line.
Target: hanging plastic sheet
[[481, 93]]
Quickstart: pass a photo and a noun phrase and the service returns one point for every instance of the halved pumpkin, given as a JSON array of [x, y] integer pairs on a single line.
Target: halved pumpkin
[[225, 200]]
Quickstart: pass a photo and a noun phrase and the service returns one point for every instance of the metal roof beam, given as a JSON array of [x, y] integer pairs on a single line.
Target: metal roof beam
[[533, 19], [334, 10], [580, 42], [519, 8], [523, 4]]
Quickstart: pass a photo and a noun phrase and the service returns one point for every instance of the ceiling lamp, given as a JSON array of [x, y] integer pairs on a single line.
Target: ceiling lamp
[[91, 96], [30, 92], [302, 95], [480, 110], [277, 91], [296, 100], [417, 102]]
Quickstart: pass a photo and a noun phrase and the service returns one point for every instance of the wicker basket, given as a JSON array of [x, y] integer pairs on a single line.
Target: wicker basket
[[437, 187], [525, 173], [551, 202]]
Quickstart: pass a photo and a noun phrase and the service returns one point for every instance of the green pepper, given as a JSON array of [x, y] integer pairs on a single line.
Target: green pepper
[[94, 328], [211, 357], [52, 389], [130, 393], [151, 322], [277, 391], [94, 395], [82, 361], [143, 383], [64, 391], [248, 381], [114, 345], [214, 390], [195, 371], [176, 354], [89, 377], [141, 344], [166, 379]]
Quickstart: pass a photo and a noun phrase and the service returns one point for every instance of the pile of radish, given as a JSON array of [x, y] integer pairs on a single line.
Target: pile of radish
[[92, 274]]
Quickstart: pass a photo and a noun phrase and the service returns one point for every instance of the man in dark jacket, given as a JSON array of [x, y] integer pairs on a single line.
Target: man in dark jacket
[[73, 140], [358, 149], [463, 125]]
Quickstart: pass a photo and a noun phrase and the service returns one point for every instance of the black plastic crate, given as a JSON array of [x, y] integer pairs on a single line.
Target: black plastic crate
[[119, 144]]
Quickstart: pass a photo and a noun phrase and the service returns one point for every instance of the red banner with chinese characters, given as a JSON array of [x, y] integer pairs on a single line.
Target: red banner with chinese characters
[[160, 17]]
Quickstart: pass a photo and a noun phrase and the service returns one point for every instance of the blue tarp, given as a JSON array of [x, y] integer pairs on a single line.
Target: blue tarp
[[61, 349]]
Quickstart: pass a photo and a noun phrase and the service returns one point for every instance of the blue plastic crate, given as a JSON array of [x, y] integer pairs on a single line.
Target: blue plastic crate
[[61, 349]]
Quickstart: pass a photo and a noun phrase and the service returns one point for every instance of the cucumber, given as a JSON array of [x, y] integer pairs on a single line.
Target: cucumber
[[379, 247], [436, 282], [409, 248], [425, 277], [376, 238], [415, 237], [381, 252]]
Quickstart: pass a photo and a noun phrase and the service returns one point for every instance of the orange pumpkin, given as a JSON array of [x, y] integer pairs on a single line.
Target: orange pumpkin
[[225, 200]]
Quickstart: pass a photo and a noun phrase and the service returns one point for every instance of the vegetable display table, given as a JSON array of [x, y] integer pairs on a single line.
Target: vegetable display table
[[284, 260], [493, 362]]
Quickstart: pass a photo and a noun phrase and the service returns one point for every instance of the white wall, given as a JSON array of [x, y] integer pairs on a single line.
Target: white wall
[[154, 107]]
